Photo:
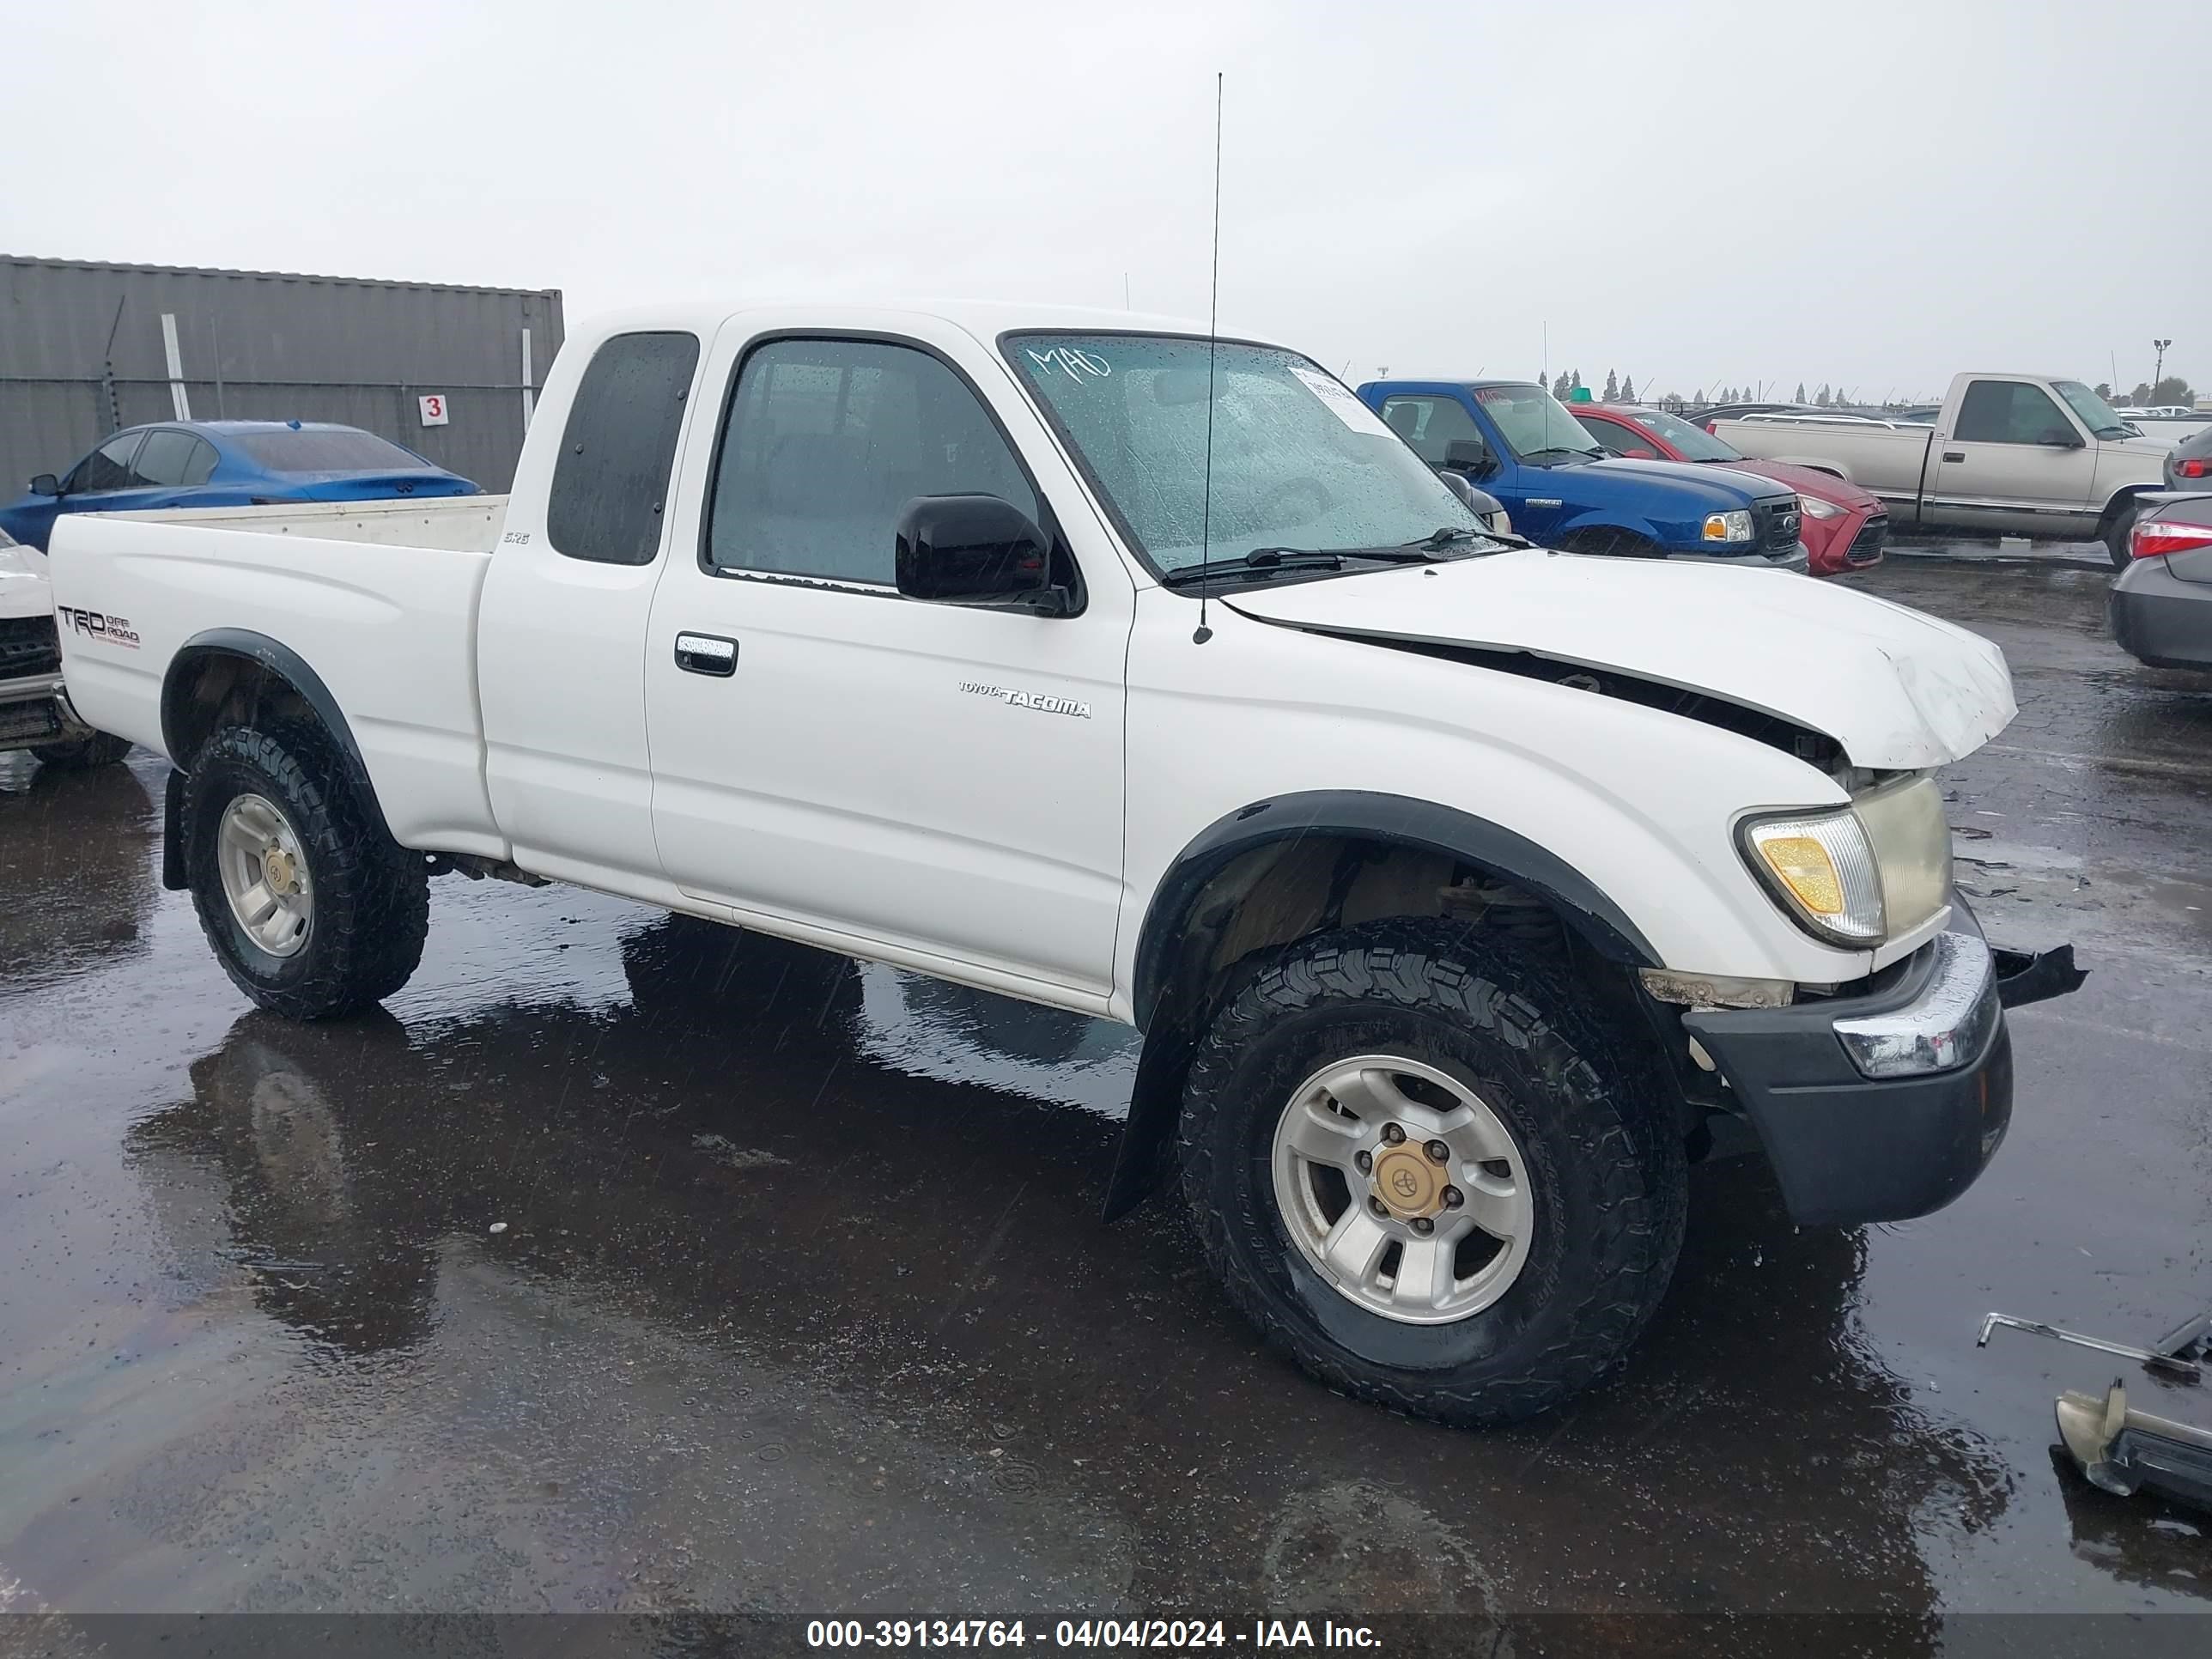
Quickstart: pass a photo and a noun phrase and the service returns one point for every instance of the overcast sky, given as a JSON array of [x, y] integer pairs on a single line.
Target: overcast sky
[[1688, 192]]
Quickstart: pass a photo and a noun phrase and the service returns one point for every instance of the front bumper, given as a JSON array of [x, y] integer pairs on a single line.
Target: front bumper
[[1886, 1105], [34, 709]]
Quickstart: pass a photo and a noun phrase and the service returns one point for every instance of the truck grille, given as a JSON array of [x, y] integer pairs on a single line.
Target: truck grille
[[1777, 523], [29, 645], [1866, 546]]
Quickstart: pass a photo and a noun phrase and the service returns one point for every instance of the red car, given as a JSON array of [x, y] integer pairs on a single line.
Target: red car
[[1844, 526]]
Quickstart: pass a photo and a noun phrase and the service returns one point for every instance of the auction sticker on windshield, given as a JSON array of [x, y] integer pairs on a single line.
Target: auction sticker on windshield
[[1340, 401]]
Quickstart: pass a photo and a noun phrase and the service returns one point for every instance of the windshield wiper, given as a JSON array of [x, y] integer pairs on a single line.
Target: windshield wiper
[[1561, 449], [1263, 560], [1437, 539]]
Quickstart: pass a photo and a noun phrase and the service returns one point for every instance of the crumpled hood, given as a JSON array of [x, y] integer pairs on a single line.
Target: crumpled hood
[[1898, 690], [24, 589]]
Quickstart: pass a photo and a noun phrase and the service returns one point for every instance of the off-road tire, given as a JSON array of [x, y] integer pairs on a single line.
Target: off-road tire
[[82, 753], [372, 896], [1583, 1100]]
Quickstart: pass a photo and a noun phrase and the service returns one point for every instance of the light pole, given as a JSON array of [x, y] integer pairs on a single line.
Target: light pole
[[2159, 372]]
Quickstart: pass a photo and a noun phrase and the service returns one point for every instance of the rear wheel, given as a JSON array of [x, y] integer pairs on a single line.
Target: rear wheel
[[1430, 1174], [82, 753], [313, 910]]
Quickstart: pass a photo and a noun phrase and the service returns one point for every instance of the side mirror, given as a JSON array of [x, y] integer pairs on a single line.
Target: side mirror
[[1480, 503], [1639, 453], [45, 484], [973, 549], [1470, 455], [2055, 439]]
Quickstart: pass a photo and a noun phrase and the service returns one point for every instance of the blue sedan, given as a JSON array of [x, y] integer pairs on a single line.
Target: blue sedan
[[227, 463]]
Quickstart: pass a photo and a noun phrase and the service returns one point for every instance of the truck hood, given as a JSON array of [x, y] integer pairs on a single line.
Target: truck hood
[[1898, 690], [1714, 488]]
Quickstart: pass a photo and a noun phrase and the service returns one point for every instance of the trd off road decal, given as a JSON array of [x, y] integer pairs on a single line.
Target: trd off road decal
[[1043, 702], [98, 625]]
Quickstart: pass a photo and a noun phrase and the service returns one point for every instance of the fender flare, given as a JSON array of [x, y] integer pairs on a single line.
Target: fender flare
[[2122, 498], [1156, 1098], [286, 665]]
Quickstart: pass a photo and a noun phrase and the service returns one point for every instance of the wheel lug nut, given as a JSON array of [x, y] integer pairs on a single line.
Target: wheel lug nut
[[1393, 1134], [1423, 1225], [1375, 1205], [1453, 1197], [1437, 1151], [1365, 1161]]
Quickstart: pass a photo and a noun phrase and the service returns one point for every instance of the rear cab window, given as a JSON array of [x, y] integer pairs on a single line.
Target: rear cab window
[[314, 449], [610, 484]]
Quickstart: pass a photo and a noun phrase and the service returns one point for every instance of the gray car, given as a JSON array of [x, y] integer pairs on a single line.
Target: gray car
[[2189, 466], [2161, 603]]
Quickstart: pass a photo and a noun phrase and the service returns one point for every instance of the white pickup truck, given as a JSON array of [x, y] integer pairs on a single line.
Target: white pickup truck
[[1464, 892], [2007, 454]]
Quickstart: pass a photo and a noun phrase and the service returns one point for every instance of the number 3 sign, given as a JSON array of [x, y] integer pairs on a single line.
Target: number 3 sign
[[433, 410]]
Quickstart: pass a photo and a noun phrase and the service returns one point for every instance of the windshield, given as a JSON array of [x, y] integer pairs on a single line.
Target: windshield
[[1298, 462], [307, 449], [2095, 413], [1692, 442], [1534, 424]]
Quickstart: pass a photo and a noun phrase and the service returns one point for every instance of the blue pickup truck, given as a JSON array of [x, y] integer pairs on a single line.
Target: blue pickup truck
[[1513, 439]]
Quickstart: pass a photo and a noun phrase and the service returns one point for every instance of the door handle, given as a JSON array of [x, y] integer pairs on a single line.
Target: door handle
[[1954, 454], [707, 653]]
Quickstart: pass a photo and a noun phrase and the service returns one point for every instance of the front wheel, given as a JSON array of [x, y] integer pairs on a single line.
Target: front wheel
[[82, 753], [312, 909], [2116, 535], [1430, 1174]]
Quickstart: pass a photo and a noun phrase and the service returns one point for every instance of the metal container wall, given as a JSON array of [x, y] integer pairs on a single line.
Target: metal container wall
[[257, 345]]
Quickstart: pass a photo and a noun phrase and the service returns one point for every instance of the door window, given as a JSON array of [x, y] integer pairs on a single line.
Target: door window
[[2009, 412], [610, 485], [107, 467], [826, 442], [1621, 439], [200, 466], [1430, 425], [165, 457]]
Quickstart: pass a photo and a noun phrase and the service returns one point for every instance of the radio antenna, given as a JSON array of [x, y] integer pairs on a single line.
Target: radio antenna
[[1212, 327]]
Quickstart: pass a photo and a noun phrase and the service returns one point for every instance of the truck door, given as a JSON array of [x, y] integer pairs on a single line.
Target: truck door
[[2013, 461], [934, 783], [1432, 422]]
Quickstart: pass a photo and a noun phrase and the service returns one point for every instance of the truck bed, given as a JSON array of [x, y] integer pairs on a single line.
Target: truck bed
[[1887, 461], [377, 599]]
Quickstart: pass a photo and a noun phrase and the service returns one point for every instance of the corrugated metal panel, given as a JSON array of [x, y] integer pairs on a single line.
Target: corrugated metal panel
[[261, 345]]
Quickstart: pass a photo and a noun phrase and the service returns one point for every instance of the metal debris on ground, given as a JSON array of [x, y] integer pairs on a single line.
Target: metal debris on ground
[[2183, 1357]]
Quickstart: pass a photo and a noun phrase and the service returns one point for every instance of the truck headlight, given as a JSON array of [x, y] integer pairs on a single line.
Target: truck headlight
[[1822, 867], [1861, 873], [1814, 507], [1729, 526]]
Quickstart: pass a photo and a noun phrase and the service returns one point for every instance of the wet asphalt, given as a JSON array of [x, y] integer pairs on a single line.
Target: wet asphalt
[[625, 1263]]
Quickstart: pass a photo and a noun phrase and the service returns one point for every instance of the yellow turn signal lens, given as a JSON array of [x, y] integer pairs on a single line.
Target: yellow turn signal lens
[[1803, 865]]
